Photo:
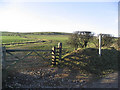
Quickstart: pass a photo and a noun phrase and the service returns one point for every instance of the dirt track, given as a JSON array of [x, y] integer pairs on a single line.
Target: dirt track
[[47, 78], [59, 78], [110, 81]]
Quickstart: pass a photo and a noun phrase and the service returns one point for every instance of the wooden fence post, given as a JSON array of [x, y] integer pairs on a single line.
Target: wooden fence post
[[60, 50], [54, 56], [3, 56]]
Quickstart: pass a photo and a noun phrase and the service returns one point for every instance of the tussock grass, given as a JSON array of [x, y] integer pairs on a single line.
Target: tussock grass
[[89, 61]]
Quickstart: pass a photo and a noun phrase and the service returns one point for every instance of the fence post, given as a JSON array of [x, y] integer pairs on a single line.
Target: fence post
[[60, 50], [54, 56], [3, 56], [100, 36]]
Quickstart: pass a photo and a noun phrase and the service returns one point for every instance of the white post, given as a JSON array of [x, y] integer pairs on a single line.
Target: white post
[[100, 36]]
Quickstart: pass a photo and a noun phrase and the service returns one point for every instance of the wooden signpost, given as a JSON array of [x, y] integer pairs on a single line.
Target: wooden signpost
[[100, 37]]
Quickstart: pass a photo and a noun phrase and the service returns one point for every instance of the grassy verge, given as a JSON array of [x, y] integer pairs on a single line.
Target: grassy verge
[[89, 61]]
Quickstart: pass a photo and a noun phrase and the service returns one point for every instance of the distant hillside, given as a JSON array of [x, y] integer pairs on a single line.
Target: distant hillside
[[33, 33]]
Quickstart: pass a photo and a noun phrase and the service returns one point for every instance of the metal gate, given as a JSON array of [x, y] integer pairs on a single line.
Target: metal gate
[[11, 57]]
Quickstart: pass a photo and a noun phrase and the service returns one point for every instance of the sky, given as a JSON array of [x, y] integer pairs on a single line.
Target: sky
[[97, 17]]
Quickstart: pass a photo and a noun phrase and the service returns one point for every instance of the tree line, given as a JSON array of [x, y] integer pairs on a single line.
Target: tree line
[[33, 33], [80, 39]]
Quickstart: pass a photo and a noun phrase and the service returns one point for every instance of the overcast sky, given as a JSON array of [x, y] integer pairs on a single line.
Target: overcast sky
[[98, 17]]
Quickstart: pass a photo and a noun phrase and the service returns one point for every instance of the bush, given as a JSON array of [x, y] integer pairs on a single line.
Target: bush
[[80, 39], [107, 40], [95, 41]]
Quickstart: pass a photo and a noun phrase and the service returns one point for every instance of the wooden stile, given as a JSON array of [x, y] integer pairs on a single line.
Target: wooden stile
[[60, 50], [54, 55]]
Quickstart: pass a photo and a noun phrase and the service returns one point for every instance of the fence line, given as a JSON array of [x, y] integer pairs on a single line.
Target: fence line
[[56, 53], [19, 50]]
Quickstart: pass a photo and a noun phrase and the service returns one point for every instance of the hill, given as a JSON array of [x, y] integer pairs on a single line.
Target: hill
[[33, 33]]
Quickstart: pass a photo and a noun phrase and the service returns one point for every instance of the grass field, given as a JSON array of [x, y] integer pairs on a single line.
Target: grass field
[[13, 39], [86, 60], [49, 37]]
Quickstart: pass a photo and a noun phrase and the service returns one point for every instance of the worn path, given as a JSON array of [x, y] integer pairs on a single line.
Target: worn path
[[110, 81]]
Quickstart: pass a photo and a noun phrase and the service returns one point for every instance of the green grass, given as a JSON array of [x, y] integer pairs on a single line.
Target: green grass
[[50, 41], [13, 39], [89, 61], [49, 37]]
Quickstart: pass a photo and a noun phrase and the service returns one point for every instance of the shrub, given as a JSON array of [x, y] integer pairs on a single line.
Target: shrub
[[80, 39], [107, 40]]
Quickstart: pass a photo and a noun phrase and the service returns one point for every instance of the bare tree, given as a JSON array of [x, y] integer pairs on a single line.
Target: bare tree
[[80, 39], [107, 40]]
